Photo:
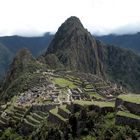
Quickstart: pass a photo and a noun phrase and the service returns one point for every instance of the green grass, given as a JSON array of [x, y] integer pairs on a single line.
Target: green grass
[[97, 103], [64, 82], [32, 120], [89, 86], [37, 116], [63, 107], [127, 114], [32, 125], [95, 94], [134, 98], [55, 112], [87, 138]]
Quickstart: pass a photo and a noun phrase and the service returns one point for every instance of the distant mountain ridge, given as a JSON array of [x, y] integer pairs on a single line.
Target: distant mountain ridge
[[130, 41], [10, 45], [34, 44]]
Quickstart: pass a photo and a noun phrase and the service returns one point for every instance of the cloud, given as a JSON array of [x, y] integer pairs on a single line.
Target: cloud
[[34, 17]]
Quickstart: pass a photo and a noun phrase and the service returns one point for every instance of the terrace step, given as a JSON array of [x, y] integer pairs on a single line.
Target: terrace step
[[29, 123], [37, 116], [16, 118], [2, 122], [55, 117], [4, 119], [42, 114], [32, 120], [19, 108], [18, 114], [64, 112]]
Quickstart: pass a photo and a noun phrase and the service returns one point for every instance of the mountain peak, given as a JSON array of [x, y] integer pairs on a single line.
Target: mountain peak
[[75, 47], [71, 30], [23, 56], [73, 21]]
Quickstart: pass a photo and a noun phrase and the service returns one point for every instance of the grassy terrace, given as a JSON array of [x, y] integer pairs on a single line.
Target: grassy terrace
[[95, 94], [134, 98], [32, 120], [64, 82], [96, 103], [2, 123], [63, 107], [26, 121], [55, 112], [127, 114]]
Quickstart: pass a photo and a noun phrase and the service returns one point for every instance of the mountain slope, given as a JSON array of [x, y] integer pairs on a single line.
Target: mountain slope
[[5, 59], [121, 66], [10, 45], [124, 41], [20, 73], [75, 48]]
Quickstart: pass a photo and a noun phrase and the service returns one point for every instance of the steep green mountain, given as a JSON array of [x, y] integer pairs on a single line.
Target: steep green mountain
[[75, 49], [12, 44], [121, 65], [129, 41], [20, 73], [5, 59]]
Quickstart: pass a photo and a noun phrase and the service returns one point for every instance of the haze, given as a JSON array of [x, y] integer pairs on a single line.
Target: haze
[[101, 17]]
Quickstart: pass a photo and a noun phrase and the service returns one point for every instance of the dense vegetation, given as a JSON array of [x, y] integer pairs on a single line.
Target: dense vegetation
[[131, 42], [83, 125], [5, 60]]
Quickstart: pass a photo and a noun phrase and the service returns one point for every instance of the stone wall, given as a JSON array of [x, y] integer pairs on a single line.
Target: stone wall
[[62, 113], [70, 107], [76, 107], [122, 120], [54, 119], [132, 107], [44, 107], [102, 110]]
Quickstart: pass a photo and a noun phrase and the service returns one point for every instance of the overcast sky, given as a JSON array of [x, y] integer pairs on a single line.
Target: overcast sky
[[34, 17]]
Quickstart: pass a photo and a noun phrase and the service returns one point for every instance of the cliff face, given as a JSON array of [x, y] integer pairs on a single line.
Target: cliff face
[[121, 66], [75, 48]]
